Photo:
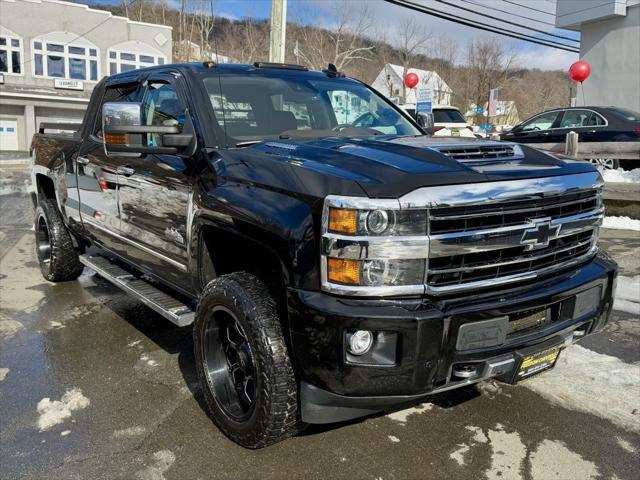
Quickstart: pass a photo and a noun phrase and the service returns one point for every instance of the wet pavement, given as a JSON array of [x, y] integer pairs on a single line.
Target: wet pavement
[[93, 385]]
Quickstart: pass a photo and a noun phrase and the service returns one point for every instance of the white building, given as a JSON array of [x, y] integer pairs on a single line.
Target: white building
[[53, 53], [391, 78], [610, 43]]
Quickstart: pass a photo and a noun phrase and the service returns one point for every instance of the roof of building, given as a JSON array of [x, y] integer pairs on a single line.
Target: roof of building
[[399, 70]]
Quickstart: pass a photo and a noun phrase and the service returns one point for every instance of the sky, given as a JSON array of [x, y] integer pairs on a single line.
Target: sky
[[387, 19]]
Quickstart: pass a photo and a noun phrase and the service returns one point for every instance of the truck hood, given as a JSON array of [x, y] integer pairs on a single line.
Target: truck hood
[[391, 166]]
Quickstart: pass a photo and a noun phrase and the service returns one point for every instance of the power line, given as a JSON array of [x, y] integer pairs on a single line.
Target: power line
[[483, 26], [508, 13], [529, 8], [507, 21]]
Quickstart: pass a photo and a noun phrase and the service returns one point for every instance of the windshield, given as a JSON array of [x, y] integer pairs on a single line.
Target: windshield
[[447, 116], [254, 107]]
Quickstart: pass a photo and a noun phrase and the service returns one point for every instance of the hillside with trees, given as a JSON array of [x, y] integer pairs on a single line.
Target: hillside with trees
[[358, 48]]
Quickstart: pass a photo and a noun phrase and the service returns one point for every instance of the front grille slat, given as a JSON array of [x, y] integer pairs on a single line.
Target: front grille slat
[[479, 244]]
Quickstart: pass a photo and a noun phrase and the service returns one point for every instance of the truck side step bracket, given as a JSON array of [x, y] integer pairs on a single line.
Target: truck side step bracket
[[167, 306]]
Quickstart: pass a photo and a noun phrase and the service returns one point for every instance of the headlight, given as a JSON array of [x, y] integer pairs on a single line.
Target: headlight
[[377, 222], [373, 247], [375, 273]]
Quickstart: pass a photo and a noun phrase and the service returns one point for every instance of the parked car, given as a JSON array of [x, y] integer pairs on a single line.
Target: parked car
[[592, 124], [448, 121], [328, 271]]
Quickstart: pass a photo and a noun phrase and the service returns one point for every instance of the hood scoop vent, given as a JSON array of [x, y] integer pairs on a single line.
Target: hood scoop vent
[[482, 154]]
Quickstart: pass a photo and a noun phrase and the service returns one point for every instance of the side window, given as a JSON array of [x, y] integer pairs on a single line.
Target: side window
[[161, 106], [596, 120], [575, 118], [118, 93], [542, 122]]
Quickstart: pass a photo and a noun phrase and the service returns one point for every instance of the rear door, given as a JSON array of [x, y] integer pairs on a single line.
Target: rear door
[[98, 177], [154, 191], [579, 121]]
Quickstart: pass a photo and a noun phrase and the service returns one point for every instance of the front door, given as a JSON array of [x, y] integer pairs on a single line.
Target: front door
[[97, 179], [154, 193]]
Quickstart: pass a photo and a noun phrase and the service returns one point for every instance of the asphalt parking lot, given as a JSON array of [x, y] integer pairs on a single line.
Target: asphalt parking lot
[[93, 385]]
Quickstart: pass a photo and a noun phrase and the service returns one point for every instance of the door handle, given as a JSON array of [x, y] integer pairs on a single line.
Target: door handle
[[83, 160], [125, 170]]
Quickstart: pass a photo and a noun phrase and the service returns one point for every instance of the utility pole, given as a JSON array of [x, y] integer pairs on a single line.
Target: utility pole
[[278, 31]]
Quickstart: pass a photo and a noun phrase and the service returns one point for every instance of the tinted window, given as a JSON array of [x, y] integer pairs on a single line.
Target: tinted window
[[256, 107], [161, 106], [541, 122], [575, 118], [626, 114], [448, 116]]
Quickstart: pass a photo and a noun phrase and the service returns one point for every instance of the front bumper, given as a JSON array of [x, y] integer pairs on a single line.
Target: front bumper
[[333, 388]]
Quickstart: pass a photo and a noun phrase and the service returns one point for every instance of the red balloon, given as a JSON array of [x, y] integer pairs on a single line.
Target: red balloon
[[411, 79], [579, 71]]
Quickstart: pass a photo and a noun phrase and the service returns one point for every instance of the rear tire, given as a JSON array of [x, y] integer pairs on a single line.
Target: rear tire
[[58, 259], [242, 362]]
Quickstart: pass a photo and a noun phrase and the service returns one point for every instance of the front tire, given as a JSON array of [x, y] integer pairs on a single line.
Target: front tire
[[242, 362], [57, 257]]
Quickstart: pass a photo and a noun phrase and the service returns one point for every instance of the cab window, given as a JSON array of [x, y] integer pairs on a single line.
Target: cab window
[[161, 107]]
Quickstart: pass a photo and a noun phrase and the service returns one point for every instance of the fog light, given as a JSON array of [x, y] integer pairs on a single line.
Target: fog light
[[360, 342]]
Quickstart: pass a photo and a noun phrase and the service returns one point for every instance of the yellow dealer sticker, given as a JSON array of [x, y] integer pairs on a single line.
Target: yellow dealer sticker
[[537, 362]]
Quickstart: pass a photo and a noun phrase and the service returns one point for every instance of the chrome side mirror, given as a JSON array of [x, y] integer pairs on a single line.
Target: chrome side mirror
[[124, 132]]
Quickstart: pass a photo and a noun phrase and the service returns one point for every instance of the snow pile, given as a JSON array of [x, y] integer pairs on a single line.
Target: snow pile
[[55, 412], [621, 176], [621, 223], [593, 383], [628, 295]]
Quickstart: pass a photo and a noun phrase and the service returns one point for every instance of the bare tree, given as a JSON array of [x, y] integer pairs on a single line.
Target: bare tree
[[413, 38], [204, 21], [488, 65], [341, 44]]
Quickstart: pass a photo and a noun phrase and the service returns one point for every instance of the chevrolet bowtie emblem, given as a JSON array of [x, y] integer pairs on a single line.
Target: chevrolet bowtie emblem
[[540, 235]]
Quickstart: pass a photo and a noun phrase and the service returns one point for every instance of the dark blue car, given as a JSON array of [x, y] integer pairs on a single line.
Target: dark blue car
[[592, 124]]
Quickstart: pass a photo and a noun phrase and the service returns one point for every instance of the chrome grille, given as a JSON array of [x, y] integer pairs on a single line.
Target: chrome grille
[[486, 244], [477, 217], [458, 269]]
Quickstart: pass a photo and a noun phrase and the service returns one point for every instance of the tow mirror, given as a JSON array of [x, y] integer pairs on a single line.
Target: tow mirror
[[124, 132], [425, 120]]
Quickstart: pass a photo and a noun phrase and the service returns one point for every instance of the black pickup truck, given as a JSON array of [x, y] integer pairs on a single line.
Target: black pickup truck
[[330, 271]]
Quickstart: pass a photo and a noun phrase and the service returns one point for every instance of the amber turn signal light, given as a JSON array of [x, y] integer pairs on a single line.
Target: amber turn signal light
[[346, 272], [343, 220], [115, 138]]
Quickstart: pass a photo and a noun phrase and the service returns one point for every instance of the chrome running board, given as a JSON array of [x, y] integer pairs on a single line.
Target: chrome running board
[[167, 306]]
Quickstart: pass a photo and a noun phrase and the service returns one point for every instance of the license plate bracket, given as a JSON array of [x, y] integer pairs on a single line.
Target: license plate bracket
[[534, 360]]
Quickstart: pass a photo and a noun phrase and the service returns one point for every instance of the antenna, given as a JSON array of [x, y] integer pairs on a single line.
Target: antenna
[[215, 46]]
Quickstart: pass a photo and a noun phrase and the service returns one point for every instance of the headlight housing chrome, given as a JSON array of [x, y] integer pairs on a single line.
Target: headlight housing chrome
[[373, 247]]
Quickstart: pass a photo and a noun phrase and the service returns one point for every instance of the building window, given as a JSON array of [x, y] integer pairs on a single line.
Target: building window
[[121, 61], [58, 60], [11, 55]]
